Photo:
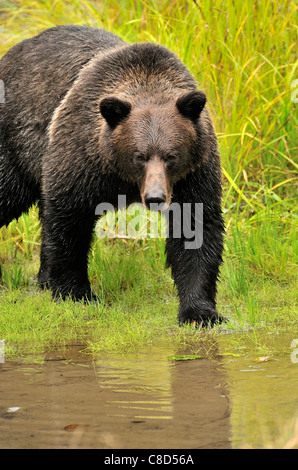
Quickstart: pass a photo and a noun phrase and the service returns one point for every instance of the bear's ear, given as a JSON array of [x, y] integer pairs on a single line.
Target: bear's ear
[[191, 104], [114, 110]]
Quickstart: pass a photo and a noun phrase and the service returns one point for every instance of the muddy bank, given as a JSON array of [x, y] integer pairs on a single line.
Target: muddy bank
[[69, 399], [72, 400]]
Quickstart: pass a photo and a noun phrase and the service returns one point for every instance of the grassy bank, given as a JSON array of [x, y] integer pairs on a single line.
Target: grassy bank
[[242, 56]]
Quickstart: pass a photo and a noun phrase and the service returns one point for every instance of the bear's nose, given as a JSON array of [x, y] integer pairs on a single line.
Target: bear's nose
[[155, 197]]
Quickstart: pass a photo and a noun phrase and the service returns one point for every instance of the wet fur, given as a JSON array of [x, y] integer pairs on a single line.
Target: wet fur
[[58, 149]]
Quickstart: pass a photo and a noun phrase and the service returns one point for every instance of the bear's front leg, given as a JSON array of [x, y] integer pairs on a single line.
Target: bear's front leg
[[195, 273], [67, 237], [195, 262]]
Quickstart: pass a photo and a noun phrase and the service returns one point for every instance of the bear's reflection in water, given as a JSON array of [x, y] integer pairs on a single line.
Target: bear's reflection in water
[[128, 401]]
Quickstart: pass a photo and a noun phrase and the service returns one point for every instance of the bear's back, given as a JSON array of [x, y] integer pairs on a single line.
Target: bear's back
[[60, 46], [37, 73]]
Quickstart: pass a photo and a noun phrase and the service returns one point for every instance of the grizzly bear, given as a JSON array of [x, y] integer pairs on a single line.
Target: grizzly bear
[[87, 117]]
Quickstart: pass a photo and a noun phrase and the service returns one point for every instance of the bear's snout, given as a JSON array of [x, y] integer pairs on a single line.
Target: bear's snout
[[155, 196], [155, 192]]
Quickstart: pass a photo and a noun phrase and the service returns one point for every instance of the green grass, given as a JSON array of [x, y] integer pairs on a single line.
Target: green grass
[[243, 57]]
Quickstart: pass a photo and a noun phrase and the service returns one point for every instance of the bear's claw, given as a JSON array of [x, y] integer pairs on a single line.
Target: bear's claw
[[200, 317]]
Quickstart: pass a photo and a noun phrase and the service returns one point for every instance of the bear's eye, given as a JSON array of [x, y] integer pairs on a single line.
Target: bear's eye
[[140, 157], [171, 158]]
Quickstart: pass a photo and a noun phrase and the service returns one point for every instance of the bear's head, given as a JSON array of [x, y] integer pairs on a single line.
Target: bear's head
[[155, 142]]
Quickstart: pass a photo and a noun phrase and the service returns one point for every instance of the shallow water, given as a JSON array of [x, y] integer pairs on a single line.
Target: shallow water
[[69, 399]]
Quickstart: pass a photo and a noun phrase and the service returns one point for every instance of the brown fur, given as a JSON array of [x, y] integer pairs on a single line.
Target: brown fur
[[88, 117]]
